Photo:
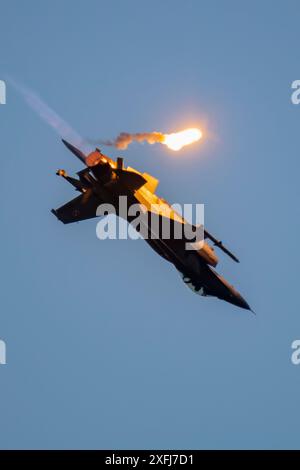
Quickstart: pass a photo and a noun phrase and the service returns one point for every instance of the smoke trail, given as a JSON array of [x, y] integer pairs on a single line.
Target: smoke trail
[[125, 138], [47, 114]]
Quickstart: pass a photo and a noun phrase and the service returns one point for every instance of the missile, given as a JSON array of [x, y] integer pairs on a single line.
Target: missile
[[220, 245]]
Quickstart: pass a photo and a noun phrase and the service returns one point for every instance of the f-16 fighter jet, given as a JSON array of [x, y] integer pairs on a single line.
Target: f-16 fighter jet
[[105, 181]]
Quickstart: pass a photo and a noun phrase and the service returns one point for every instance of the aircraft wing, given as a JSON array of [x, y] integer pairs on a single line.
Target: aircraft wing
[[81, 208]]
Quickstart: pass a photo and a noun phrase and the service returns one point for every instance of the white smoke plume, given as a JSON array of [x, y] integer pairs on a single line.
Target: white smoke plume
[[125, 138], [47, 114]]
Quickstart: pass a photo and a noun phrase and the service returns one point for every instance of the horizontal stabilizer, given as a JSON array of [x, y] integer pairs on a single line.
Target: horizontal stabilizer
[[81, 208]]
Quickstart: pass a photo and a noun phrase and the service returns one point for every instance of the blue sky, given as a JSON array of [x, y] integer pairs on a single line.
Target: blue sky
[[106, 347]]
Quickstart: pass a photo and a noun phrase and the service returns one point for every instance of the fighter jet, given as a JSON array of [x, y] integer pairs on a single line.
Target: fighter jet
[[104, 180]]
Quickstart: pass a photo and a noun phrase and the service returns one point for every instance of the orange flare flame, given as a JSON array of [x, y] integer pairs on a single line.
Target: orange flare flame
[[177, 140]]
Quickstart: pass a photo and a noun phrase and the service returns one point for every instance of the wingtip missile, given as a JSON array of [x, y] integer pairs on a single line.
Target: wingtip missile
[[220, 245]]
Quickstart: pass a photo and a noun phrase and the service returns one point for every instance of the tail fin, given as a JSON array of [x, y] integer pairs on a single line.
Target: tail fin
[[79, 154]]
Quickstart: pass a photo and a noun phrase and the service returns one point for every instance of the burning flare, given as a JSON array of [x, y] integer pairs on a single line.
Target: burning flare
[[177, 140], [174, 141]]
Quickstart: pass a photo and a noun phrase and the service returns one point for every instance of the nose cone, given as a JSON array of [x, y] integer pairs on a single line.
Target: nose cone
[[239, 301], [234, 297], [231, 295]]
